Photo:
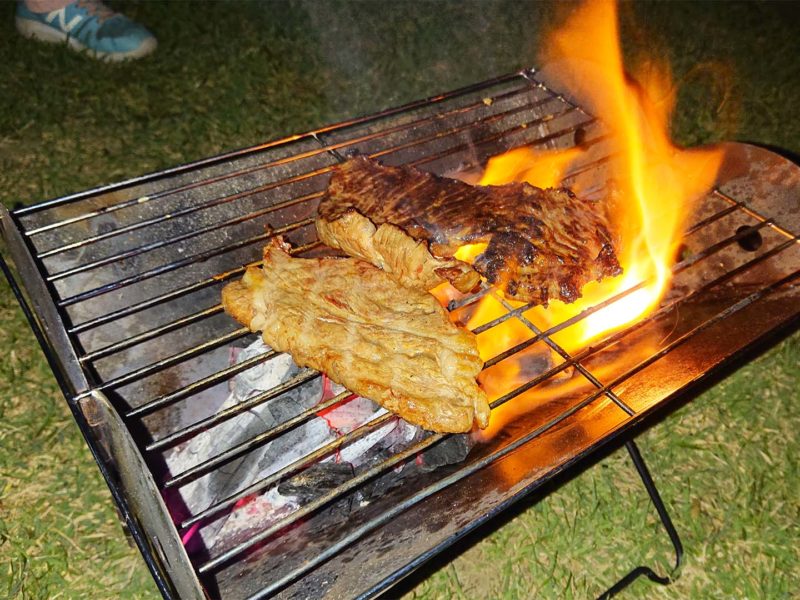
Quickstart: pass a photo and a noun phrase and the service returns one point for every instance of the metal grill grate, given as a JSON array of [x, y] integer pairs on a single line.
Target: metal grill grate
[[122, 284]]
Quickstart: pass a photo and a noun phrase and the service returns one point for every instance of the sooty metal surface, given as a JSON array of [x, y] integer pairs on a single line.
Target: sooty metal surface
[[237, 471]]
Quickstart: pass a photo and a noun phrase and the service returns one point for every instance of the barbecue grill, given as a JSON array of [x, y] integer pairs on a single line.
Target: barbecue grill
[[121, 285]]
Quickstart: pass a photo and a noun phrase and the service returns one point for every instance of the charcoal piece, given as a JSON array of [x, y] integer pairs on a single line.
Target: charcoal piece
[[316, 480], [386, 482], [229, 478], [449, 451], [283, 449]]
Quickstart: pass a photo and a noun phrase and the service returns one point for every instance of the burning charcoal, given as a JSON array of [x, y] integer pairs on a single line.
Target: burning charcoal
[[535, 362], [290, 447], [394, 436], [263, 461], [251, 514]]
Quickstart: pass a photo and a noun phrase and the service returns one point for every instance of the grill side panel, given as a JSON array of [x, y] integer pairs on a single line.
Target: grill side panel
[[25, 279]]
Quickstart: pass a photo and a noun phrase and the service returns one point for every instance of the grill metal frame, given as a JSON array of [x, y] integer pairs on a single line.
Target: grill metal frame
[[96, 391]]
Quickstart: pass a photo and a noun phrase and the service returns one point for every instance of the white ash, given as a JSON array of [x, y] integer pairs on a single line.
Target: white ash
[[276, 454]]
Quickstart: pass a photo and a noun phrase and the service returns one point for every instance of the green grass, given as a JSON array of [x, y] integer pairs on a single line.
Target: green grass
[[231, 75]]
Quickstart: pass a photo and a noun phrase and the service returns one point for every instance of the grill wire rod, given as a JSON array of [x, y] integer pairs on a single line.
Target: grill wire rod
[[486, 123]]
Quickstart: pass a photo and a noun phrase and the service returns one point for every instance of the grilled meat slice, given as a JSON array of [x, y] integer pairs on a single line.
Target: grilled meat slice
[[391, 344], [540, 244], [409, 261]]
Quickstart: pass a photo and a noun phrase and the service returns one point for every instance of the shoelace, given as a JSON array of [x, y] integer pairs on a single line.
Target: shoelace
[[97, 9]]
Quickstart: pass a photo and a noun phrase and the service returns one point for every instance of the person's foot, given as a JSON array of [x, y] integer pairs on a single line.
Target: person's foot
[[88, 25]]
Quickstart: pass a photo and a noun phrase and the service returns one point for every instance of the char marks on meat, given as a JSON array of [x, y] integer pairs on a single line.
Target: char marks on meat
[[391, 344], [540, 244]]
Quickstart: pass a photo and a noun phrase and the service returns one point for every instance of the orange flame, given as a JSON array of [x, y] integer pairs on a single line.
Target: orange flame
[[654, 186], [654, 181], [542, 169]]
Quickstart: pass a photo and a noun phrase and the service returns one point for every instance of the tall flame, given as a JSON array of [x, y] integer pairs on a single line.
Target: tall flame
[[653, 186], [654, 182]]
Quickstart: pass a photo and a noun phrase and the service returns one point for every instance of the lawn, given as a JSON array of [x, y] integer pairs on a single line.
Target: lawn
[[229, 75]]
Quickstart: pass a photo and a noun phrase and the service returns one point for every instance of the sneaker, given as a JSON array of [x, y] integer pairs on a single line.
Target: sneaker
[[88, 25]]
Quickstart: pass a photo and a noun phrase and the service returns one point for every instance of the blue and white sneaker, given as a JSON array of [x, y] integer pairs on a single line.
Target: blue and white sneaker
[[88, 25]]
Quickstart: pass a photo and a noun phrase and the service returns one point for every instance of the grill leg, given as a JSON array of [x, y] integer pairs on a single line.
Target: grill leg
[[666, 521]]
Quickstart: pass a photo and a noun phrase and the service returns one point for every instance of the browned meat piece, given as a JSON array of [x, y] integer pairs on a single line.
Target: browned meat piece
[[409, 261], [391, 344], [541, 244]]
